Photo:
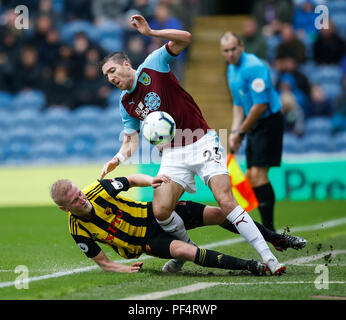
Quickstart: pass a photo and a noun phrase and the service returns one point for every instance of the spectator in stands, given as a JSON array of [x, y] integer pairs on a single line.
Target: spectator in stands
[[66, 57], [49, 49], [339, 117], [253, 39], [93, 89], [45, 7], [78, 9], [290, 46], [163, 19], [288, 83], [103, 10], [329, 47], [270, 13], [59, 90], [289, 65], [293, 113], [144, 7], [136, 50], [319, 105], [81, 45], [28, 72], [304, 19], [10, 49]]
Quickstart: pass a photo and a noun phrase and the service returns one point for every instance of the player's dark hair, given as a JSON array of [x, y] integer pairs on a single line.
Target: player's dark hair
[[117, 56]]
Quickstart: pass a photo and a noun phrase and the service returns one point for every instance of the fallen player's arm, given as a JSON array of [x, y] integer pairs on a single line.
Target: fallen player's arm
[[143, 180], [107, 265]]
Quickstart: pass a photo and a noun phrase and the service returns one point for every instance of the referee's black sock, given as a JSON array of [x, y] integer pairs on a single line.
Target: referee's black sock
[[266, 199], [214, 259]]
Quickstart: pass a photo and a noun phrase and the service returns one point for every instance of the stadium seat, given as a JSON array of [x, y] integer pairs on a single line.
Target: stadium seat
[[318, 125], [80, 150], [6, 100], [329, 74], [49, 152], [105, 150], [22, 135], [5, 120], [31, 99], [113, 98], [340, 142], [111, 45], [26, 118], [291, 144], [332, 90], [318, 143], [17, 152], [57, 116], [88, 115], [54, 133], [69, 29]]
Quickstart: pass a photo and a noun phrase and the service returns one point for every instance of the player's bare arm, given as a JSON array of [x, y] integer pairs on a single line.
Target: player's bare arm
[[107, 265], [178, 39], [128, 148], [143, 180]]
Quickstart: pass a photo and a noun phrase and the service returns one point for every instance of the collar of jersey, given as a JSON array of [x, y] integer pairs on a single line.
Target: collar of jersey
[[134, 82]]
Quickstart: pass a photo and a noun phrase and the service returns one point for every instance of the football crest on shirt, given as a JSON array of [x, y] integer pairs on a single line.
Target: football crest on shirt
[[152, 101], [145, 79], [258, 85]]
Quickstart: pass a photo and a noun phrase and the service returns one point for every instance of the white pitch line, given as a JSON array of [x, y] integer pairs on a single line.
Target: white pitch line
[[204, 285], [182, 290], [302, 260], [318, 226]]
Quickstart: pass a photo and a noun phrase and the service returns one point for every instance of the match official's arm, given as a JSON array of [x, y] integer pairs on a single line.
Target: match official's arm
[[107, 265], [127, 149]]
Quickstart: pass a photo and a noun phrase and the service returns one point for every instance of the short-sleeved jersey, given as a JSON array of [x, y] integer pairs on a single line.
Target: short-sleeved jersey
[[156, 88], [116, 221], [250, 83]]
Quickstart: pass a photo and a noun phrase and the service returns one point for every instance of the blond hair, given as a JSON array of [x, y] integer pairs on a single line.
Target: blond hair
[[59, 189]]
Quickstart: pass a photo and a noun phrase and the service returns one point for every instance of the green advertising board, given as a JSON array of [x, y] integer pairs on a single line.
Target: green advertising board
[[297, 179]]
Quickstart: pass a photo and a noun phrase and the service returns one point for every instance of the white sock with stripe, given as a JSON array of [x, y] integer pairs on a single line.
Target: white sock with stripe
[[247, 228]]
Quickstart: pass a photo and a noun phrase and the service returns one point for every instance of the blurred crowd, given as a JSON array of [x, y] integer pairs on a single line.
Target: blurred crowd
[[59, 52], [306, 53]]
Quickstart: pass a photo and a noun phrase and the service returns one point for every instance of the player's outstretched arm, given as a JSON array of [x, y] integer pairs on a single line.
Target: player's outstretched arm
[[107, 265], [178, 39], [127, 149], [143, 180]]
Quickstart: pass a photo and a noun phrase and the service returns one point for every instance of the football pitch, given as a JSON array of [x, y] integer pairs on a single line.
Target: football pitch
[[40, 261]]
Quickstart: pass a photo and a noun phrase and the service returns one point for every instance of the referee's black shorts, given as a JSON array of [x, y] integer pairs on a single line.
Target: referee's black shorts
[[157, 241], [264, 142]]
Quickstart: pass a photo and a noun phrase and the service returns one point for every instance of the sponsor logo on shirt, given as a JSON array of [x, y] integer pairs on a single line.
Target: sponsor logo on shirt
[[152, 101]]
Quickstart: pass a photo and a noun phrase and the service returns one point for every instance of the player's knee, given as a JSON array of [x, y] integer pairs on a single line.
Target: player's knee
[[213, 216], [162, 211], [227, 204], [182, 250]]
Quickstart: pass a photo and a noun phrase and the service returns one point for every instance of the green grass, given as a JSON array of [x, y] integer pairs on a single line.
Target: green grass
[[38, 238]]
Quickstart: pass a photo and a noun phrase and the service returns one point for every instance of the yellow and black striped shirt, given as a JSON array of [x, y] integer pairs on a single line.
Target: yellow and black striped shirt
[[116, 221]]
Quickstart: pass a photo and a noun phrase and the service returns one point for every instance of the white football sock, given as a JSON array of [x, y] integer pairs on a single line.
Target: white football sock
[[175, 226], [247, 228]]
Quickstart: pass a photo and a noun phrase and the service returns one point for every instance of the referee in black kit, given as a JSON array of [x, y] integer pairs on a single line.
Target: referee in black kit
[[257, 114]]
